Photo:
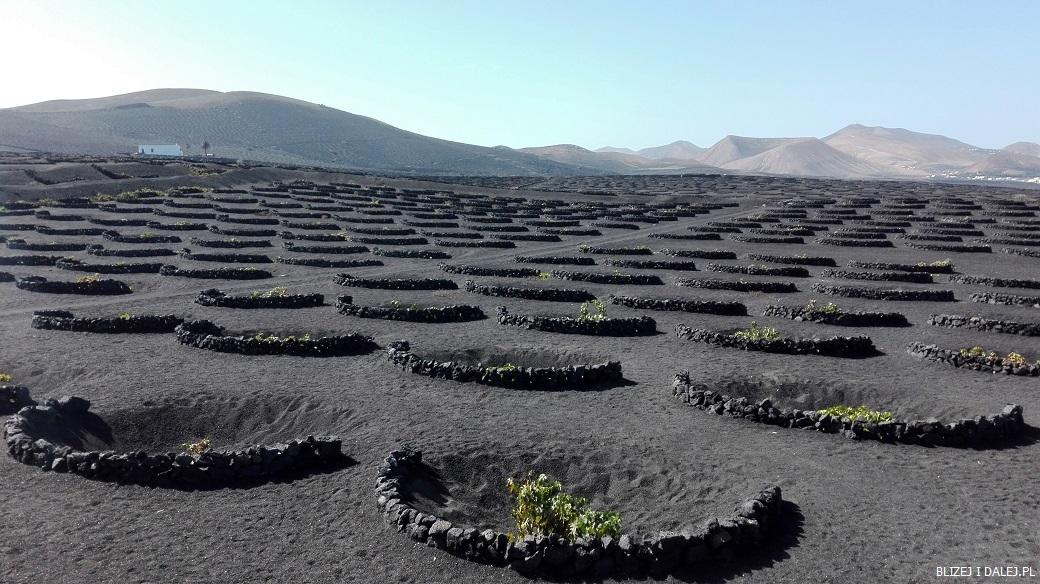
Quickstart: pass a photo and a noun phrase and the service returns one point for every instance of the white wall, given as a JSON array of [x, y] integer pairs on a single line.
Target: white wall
[[160, 150]]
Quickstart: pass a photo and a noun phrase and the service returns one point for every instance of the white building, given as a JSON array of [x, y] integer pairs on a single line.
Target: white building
[[160, 150]]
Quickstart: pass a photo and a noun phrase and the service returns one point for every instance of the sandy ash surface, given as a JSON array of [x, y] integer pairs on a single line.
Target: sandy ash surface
[[860, 511]]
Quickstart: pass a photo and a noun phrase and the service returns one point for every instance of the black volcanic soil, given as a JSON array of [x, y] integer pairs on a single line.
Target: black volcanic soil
[[862, 511]]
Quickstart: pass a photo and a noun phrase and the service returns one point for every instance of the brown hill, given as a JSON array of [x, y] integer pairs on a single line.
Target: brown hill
[[254, 126], [806, 157], [1027, 148], [905, 152], [733, 148], [678, 150], [1004, 163]]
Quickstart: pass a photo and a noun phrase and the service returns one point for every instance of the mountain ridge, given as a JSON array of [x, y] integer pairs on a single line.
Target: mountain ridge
[[265, 127]]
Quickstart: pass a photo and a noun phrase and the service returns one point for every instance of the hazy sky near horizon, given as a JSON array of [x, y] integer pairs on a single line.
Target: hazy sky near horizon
[[530, 73]]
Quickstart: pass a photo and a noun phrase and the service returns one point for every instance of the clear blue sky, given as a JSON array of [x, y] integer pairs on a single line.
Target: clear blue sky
[[543, 72]]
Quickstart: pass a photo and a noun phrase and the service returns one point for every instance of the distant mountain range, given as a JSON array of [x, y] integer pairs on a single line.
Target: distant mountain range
[[258, 126], [855, 151]]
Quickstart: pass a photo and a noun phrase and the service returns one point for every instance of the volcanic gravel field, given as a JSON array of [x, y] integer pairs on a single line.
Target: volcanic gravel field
[[854, 510]]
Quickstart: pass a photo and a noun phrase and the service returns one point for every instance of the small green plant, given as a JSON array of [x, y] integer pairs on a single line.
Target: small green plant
[[199, 170], [502, 368], [542, 508], [395, 304], [273, 338], [592, 311], [47, 202], [276, 292], [89, 279], [757, 333], [102, 198], [829, 308], [1015, 360], [861, 413], [196, 448], [125, 316], [544, 275], [5, 377], [977, 352], [139, 194], [945, 263]]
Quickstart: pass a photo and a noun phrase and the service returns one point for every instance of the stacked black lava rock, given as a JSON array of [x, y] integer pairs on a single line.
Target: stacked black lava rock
[[754, 522]]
